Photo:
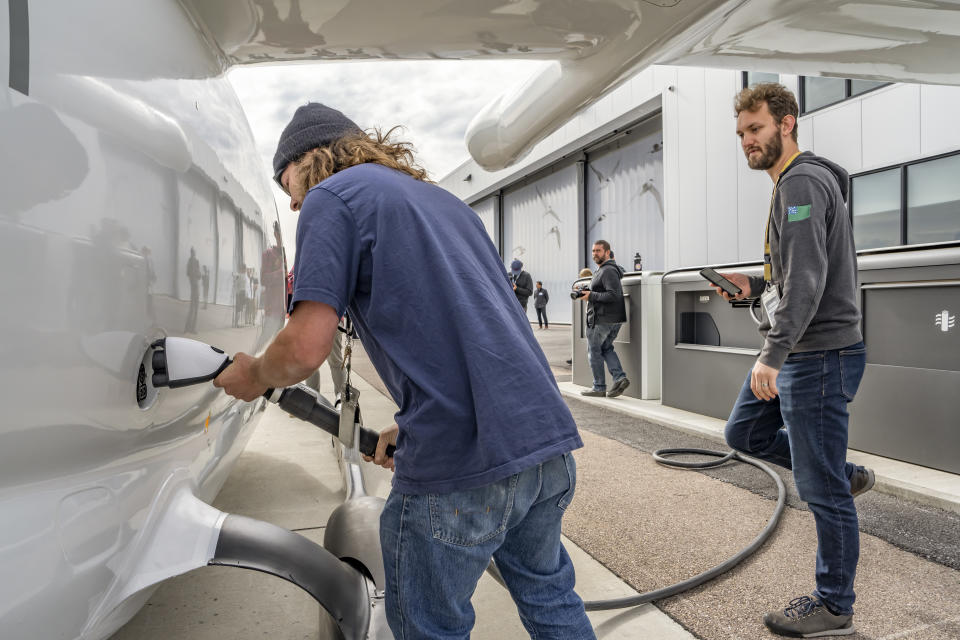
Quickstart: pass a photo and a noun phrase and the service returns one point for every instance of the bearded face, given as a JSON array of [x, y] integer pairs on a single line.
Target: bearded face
[[763, 154]]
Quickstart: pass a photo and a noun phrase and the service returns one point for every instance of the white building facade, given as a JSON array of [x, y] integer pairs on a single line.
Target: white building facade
[[655, 168]]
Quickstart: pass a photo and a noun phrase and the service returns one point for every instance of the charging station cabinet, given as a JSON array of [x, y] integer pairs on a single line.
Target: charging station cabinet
[[709, 344], [582, 375], [908, 404]]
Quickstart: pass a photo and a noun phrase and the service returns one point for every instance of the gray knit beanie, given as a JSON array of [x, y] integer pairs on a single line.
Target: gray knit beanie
[[313, 125]]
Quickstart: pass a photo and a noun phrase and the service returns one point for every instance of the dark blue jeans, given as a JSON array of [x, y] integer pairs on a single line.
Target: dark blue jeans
[[437, 546], [600, 350], [805, 429], [542, 316]]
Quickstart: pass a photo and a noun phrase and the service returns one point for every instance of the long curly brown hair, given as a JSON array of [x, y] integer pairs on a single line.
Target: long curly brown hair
[[375, 146]]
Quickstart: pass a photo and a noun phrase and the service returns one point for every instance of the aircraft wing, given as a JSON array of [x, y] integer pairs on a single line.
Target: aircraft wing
[[595, 44]]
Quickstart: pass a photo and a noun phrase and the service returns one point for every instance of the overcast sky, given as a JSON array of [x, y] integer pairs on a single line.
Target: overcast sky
[[434, 101]]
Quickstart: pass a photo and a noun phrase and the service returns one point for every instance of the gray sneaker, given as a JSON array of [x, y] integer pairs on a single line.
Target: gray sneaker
[[593, 393], [618, 387], [807, 617], [861, 480]]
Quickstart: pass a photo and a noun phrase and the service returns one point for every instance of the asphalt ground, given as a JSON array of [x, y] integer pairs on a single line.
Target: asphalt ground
[[653, 525], [556, 343], [926, 531]]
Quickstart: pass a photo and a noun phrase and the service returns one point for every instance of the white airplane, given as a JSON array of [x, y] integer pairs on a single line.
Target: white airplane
[[134, 208]]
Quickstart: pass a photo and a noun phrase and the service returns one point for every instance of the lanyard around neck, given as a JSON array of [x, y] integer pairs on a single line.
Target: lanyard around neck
[[767, 270]]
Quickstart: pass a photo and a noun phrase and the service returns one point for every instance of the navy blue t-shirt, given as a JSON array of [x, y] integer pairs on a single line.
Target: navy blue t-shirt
[[424, 285]]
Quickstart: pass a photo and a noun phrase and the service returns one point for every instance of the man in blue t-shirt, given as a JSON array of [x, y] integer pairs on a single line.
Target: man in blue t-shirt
[[483, 465]]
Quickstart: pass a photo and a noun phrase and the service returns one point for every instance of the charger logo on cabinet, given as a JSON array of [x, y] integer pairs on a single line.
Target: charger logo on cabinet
[[945, 321]]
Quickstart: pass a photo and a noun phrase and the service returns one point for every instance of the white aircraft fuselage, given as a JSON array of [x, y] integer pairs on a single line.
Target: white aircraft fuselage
[[134, 206], [124, 147]]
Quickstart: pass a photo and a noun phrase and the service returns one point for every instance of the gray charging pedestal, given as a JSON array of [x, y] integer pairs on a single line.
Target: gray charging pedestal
[[638, 342], [908, 405], [581, 365], [709, 344]]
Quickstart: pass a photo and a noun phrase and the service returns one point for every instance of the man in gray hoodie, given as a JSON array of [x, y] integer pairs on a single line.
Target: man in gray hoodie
[[792, 408]]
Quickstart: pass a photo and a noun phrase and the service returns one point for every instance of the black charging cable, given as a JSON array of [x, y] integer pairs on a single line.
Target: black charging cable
[[659, 594]]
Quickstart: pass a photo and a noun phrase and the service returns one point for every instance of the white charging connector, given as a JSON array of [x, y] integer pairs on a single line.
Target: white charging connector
[[179, 362]]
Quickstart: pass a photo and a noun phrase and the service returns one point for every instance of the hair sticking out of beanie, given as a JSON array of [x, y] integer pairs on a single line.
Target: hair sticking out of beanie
[[313, 125]]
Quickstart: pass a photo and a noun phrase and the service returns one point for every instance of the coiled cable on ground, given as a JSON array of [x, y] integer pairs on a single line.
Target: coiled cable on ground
[[713, 572]]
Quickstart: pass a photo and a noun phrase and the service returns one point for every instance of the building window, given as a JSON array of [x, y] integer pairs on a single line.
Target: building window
[[816, 92], [914, 203], [876, 209], [820, 92], [933, 201], [862, 86], [749, 78]]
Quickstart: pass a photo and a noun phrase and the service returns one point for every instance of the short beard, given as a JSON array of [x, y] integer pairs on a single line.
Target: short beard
[[769, 155]]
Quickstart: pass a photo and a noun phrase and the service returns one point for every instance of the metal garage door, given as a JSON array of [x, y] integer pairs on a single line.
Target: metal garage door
[[624, 192], [540, 228], [487, 210]]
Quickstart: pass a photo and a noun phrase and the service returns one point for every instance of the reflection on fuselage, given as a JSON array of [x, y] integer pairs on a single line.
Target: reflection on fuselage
[[131, 196]]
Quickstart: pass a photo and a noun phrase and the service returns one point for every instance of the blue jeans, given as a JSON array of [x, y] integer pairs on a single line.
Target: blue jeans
[[815, 388], [542, 316], [600, 350], [437, 546]]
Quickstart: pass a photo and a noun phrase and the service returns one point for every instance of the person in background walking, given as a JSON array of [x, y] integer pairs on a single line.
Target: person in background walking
[[272, 286], [606, 313], [240, 295], [193, 275], [522, 283], [540, 300], [205, 280]]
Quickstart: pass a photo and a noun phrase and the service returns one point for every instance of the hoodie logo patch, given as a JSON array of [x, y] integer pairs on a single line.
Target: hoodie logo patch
[[797, 213]]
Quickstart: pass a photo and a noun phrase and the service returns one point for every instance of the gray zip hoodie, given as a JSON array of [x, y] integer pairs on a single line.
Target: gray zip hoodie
[[814, 263]]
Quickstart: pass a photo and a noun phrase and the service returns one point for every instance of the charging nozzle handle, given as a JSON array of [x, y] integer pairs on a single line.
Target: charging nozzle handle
[[301, 401], [368, 443], [182, 362]]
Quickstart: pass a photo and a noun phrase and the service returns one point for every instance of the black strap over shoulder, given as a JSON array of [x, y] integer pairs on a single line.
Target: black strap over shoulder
[[346, 325]]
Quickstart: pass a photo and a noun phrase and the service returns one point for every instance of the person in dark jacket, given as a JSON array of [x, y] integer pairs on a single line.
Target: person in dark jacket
[[193, 275], [792, 407], [540, 300], [606, 313], [522, 283]]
